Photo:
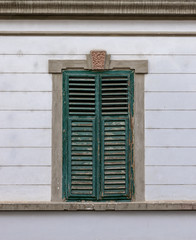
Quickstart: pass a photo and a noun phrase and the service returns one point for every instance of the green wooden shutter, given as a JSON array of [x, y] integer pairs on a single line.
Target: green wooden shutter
[[116, 137], [80, 137], [97, 135]]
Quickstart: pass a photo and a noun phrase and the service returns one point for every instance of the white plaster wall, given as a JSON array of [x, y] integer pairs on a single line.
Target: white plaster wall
[[25, 103], [98, 225]]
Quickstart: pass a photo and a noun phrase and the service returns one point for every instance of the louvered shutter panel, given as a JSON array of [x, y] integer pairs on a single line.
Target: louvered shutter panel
[[97, 135], [116, 137], [81, 125]]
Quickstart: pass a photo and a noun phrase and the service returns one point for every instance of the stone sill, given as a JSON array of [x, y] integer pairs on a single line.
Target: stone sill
[[96, 206]]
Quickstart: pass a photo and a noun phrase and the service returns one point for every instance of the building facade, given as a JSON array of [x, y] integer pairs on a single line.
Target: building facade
[[97, 119]]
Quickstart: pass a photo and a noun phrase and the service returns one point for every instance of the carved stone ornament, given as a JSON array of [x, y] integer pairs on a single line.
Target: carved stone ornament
[[98, 59]]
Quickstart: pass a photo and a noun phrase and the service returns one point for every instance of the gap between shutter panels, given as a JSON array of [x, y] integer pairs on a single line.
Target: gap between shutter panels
[[90, 178]]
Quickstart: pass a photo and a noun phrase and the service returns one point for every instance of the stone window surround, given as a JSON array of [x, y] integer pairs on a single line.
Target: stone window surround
[[56, 67]]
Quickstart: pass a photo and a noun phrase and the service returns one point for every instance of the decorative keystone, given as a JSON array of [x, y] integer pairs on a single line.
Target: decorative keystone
[[98, 59]]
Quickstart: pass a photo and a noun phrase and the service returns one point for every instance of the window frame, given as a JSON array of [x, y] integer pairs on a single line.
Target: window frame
[[140, 67]]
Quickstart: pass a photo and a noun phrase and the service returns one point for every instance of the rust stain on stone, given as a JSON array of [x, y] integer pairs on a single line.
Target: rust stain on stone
[[98, 59]]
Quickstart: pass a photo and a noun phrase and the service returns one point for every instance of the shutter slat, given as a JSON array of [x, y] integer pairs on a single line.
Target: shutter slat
[[114, 94], [80, 79], [115, 108], [81, 178], [81, 163], [83, 104], [116, 99], [83, 99], [81, 94], [114, 178], [109, 153], [115, 104], [105, 89], [80, 90], [113, 84], [82, 138]]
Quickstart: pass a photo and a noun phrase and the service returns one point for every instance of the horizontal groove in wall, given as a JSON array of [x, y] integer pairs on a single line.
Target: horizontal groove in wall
[[100, 33], [18, 91], [164, 73], [25, 91], [170, 184], [25, 110], [68, 59], [23, 72], [2, 166], [172, 128], [170, 146], [25, 147], [25, 184], [170, 110], [83, 55], [155, 73], [58, 91], [24, 128], [114, 54], [170, 165], [170, 91]]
